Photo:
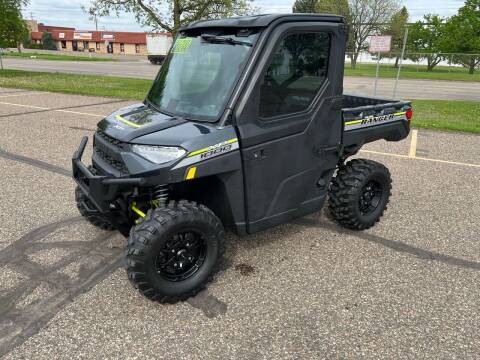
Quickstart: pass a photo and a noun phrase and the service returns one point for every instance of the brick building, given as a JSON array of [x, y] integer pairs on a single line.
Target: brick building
[[103, 42]]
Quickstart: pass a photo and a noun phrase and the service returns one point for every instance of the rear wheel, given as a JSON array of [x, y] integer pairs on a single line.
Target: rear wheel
[[174, 251], [359, 194]]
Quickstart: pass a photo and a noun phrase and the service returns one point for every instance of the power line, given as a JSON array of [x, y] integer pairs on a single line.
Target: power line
[[450, 8]]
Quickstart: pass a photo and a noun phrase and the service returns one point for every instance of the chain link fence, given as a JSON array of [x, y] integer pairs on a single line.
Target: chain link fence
[[420, 62]]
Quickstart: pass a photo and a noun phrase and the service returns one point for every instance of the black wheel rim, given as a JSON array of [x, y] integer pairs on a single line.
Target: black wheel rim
[[370, 197], [182, 256]]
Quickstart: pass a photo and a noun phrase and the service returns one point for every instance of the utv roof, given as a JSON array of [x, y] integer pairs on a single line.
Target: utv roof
[[264, 20]]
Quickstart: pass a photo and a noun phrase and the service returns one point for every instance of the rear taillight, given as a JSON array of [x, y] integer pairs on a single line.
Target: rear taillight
[[409, 114]]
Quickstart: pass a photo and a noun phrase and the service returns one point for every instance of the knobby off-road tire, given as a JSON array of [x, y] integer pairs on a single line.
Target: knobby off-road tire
[[174, 251], [92, 217], [359, 194]]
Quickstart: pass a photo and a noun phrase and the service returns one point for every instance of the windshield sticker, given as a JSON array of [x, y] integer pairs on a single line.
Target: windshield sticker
[[181, 45]]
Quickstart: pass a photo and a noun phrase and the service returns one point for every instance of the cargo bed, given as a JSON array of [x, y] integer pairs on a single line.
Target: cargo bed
[[367, 119]]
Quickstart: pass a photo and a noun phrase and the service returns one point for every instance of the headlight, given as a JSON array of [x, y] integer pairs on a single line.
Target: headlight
[[158, 154]]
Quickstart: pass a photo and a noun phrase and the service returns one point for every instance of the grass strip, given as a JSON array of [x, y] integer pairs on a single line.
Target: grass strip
[[455, 115], [414, 72], [109, 86], [60, 56]]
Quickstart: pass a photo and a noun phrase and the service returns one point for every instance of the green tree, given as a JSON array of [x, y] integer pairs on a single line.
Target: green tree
[[305, 6], [426, 37], [338, 7], [396, 28], [27, 41], [12, 27], [368, 17], [152, 12], [47, 41], [462, 35]]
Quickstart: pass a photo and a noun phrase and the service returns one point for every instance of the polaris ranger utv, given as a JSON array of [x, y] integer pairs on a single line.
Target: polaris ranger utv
[[245, 127]]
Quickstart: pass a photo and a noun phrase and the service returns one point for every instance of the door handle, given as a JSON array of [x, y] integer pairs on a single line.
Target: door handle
[[258, 155]]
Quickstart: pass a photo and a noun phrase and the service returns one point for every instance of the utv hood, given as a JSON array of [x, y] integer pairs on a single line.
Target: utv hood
[[136, 120]]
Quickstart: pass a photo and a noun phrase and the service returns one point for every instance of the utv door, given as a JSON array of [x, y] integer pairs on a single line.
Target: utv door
[[290, 123]]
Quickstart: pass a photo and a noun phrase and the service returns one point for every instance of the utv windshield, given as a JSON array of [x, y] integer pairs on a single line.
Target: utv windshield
[[199, 73]]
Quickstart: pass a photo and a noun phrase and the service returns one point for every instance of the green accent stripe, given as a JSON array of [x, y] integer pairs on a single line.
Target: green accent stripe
[[353, 122], [200, 151], [196, 152], [128, 122], [360, 120]]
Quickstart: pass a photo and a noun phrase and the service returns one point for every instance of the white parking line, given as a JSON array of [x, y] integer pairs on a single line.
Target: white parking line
[[22, 94], [79, 113], [28, 106], [413, 145], [421, 158], [50, 109]]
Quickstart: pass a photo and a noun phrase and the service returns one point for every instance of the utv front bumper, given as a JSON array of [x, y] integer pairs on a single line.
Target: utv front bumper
[[102, 191]]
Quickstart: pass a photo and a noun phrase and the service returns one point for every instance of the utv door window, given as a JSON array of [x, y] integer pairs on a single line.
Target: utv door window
[[297, 71]]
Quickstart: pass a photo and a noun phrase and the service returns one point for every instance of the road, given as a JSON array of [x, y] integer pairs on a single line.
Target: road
[[407, 288], [407, 89]]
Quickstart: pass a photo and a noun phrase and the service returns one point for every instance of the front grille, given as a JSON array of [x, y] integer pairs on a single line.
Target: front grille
[[108, 149], [110, 139], [117, 165]]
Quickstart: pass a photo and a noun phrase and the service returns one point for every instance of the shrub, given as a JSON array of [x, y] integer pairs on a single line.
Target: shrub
[[48, 42]]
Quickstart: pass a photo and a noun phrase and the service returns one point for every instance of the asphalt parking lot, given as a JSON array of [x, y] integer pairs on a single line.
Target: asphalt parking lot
[[409, 287]]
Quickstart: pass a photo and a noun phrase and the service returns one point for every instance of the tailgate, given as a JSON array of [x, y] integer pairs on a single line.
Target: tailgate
[[380, 119]]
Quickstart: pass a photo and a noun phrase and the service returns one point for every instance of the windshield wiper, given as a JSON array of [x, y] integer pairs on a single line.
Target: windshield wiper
[[223, 40], [152, 105], [161, 111]]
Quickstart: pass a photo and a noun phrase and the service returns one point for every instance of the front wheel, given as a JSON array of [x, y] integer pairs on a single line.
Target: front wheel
[[359, 194], [174, 251]]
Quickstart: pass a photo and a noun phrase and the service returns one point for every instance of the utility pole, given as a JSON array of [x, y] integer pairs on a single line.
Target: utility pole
[[376, 74], [405, 37]]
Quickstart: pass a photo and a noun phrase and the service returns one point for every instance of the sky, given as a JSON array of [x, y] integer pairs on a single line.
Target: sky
[[69, 12]]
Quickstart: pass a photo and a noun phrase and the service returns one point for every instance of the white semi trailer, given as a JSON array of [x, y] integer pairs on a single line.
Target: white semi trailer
[[158, 45]]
